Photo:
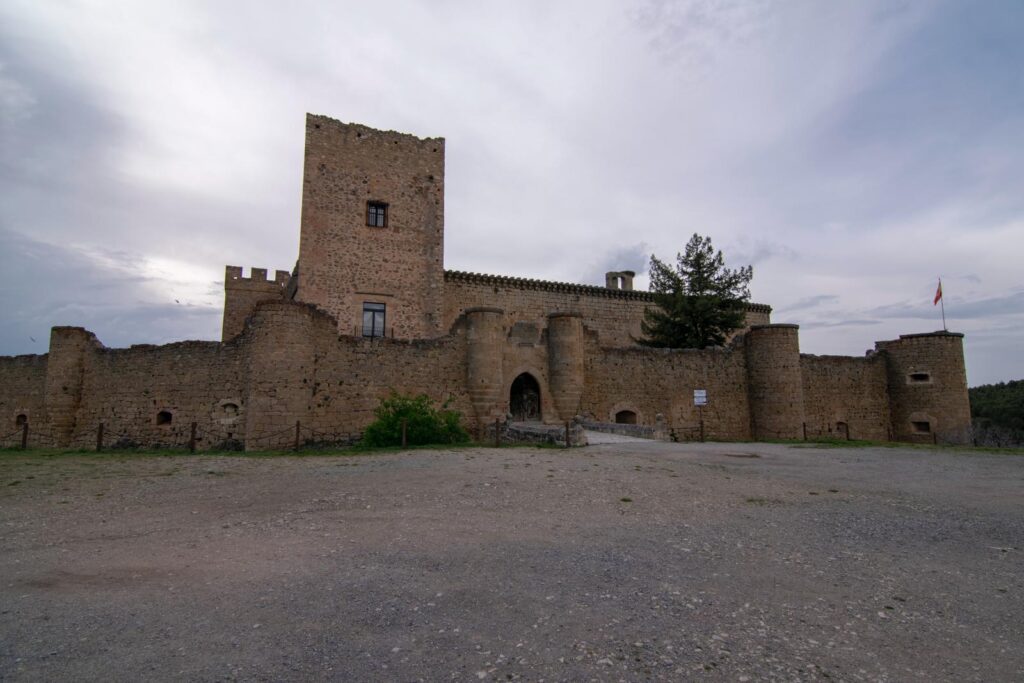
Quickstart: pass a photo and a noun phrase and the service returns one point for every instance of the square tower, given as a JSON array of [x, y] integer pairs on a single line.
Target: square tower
[[371, 248]]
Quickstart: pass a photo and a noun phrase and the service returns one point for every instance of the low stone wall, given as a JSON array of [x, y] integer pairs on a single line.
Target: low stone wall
[[537, 432], [656, 433]]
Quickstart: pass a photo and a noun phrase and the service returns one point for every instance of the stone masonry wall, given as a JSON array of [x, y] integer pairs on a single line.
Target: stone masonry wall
[[652, 381], [22, 380], [304, 371], [343, 262], [614, 314], [126, 389], [845, 397]]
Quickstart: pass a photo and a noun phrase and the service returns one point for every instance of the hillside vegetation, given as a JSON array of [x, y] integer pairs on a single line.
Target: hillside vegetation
[[997, 411]]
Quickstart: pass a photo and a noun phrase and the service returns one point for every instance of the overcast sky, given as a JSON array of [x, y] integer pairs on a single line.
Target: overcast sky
[[852, 152]]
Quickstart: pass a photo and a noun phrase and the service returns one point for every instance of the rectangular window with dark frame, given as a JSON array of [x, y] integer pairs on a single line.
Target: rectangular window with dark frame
[[373, 319], [377, 214]]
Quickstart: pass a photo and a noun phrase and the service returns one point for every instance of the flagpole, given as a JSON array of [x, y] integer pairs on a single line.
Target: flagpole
[[942, 302]]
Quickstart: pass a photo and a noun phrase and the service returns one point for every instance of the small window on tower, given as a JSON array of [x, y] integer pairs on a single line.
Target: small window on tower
[[373, 319], [377, 214]]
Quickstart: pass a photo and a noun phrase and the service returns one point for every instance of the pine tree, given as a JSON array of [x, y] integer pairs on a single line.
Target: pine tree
[[697, 303]]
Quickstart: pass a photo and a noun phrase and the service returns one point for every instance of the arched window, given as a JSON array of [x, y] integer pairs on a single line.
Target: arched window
[[164, 417], [524, 398], [625, 417], [230, 409], [21, 420]]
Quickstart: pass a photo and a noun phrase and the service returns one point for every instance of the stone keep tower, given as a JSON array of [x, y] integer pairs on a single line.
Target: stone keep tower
[[371, 249]]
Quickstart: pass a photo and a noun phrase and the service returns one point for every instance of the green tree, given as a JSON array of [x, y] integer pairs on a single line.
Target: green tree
[[698, 302], [424, 424]]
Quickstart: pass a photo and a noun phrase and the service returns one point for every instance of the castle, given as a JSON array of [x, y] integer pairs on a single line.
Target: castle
[[370, 308]]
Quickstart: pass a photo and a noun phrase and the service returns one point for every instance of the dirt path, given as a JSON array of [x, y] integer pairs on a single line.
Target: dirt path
[[621, 561]]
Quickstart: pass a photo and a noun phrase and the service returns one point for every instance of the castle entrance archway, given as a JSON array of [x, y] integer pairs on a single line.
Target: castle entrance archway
[[524, 398]]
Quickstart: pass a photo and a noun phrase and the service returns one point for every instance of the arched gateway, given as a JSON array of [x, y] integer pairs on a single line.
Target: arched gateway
[[524, 398]]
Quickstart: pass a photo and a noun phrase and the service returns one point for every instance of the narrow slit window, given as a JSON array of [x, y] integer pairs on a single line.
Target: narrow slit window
[[373, 319], [377, 214], [919, 377]]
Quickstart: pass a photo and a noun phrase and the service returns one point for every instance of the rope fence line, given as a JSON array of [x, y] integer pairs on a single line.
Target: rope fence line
[[299, 436]]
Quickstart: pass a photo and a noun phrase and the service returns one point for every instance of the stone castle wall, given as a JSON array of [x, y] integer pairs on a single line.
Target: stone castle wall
[[22, 392], [846, 397], [650, 382], [614, 314], [290, 365]]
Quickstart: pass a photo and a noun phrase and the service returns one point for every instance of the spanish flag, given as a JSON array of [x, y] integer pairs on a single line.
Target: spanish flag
[[938, 293]]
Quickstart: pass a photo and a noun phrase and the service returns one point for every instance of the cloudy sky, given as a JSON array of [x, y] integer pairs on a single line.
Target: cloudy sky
[[853, 152]]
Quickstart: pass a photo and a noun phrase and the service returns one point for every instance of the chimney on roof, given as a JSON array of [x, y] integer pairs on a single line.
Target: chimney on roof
[[622, 280]]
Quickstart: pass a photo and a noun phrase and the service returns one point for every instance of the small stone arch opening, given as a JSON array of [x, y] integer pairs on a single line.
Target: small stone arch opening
[[524, 398], [164, 417], [625, 417], [21, 420], [843, 429], [230, 409]]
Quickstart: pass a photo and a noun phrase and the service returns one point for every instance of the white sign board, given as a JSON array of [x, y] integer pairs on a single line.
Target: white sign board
[[700, 397]]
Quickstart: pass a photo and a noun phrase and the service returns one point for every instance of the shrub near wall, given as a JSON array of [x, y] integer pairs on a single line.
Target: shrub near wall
[[424, 424]]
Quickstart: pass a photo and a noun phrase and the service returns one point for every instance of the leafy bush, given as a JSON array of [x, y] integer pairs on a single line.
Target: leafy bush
[[425, 424]]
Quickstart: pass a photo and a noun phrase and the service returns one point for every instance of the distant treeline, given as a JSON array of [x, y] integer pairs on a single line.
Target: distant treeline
[[998, 413]]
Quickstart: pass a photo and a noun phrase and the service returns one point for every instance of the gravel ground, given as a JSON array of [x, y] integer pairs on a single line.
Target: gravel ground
[[628, 561]]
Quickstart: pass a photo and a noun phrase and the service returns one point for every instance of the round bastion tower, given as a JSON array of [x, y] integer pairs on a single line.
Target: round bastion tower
[[927, 379], [775, 382], [565, 362], [484, 381]]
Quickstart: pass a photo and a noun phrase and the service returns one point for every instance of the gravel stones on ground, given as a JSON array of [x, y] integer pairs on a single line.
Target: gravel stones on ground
[[624, 561]]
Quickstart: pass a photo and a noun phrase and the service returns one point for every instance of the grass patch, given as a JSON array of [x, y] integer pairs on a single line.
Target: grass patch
[[625, 500], [120, 455]]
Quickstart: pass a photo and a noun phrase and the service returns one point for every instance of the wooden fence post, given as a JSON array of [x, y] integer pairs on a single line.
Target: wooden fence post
[[405, 437], [497, 433], [192, 438], [567, 445], [298, 428], [99, 438], [24, 435]]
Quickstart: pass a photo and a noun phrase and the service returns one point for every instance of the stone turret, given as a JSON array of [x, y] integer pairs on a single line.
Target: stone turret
[[565, 362], [775, 382], [241, 294], [485, 340], [65, 370], [928, 387]]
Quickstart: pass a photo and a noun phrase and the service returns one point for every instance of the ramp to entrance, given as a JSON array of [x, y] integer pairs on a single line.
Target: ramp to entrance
[[594, 438]]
